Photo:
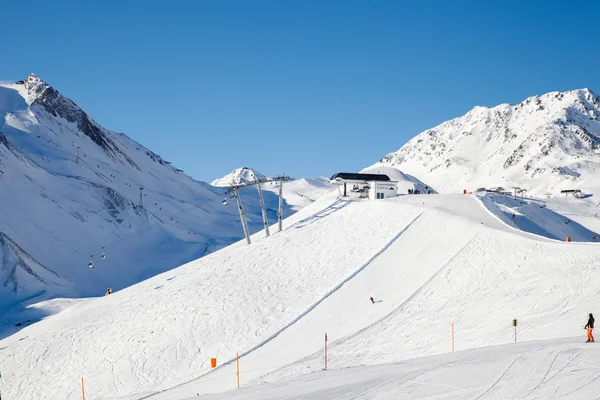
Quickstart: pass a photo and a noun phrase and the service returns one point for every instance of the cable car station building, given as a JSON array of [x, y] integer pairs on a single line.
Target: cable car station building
[[378, 186]]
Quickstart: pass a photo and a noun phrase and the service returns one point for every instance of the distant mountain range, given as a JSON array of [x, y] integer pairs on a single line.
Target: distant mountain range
[[544, 144]]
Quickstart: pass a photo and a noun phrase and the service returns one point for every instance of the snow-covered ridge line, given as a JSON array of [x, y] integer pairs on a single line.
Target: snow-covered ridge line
[[545, 144]]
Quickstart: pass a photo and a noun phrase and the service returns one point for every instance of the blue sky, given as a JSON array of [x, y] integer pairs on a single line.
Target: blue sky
[[306, 88]]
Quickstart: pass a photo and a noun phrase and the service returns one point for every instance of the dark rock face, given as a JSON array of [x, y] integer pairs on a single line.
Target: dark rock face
[[4, 141], [114, 202], [15, 257], [59, 106]]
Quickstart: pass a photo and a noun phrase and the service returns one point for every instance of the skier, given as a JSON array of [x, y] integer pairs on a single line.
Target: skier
[[590, 326], [108, 291], [373, 300]]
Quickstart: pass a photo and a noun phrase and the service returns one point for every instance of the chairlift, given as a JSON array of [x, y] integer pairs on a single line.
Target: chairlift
[[224, 201], [103, 256], [91, 264]]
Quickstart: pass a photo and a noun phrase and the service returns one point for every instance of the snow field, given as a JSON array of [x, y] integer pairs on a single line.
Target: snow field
[[549, 287], [449, 229], [163, 331], [429, 261], [553, 369], [532, 215], [390, 278]]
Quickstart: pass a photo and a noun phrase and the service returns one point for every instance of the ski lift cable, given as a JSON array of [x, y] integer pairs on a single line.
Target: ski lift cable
[[62, 266]]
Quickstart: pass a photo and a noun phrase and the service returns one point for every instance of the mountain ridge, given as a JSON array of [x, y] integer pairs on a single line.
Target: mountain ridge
[[554, 137]]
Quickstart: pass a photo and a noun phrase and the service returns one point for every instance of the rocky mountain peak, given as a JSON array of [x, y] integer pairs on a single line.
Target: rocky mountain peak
[[238, 176], [542, 142]]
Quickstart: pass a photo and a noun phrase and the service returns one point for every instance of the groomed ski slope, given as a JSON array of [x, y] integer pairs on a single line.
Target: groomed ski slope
[[429, 261], [534, 216], [413, 281], [552, 369], [164, 331]]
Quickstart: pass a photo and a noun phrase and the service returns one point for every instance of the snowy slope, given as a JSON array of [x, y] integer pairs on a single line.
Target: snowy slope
[[69, 187], [533, 215], [297, 194], [302, 192], [546, 143], [553, 369], [239, 176], [405, 181], [449, 260]]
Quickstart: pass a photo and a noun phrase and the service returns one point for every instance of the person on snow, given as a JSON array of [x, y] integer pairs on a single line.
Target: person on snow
[[108, 291], [590, 326], [372, 300]]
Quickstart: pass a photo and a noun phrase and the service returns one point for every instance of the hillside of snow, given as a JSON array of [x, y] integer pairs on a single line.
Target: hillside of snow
[[405, 181], [71, 191], [429, 261], [544, 144], [550, 369], [239, 176], [297, 193]]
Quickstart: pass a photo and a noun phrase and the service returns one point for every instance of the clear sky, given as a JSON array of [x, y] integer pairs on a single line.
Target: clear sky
[[303, 87]]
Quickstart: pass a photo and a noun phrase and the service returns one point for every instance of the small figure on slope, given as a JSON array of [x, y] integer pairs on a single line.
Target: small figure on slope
[[108, 291], [590, 326], [372, 300]]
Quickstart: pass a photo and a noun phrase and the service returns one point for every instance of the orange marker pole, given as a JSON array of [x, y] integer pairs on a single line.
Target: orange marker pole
[[82, 389], [237, 365], [452, 337]]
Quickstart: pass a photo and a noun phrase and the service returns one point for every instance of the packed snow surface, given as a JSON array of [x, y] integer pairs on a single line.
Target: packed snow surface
[[553, 369], [427, 260]]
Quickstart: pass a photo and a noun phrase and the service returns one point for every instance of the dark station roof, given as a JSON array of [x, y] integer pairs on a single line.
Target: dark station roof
[[570, 191], [349, 176]]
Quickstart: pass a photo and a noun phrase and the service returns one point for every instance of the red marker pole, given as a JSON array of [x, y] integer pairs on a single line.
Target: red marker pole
[[325, 351]]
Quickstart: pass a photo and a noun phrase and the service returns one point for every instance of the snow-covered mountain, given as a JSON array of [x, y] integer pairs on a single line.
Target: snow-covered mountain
[[71, 190], [297, 193], [544, 144], [405, 181], [239, 176]]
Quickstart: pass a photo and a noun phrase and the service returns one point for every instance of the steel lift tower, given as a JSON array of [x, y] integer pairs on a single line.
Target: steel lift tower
[[236, 194]]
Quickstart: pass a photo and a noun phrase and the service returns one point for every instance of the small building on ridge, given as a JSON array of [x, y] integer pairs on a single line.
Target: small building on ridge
[[378, 186]]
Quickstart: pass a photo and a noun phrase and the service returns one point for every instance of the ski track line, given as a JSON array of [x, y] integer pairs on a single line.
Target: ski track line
[[547, 372], [373, 388], [413, 295], [586, 384], [408, 300], [498, 380], [330, 209], [312, 307]]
